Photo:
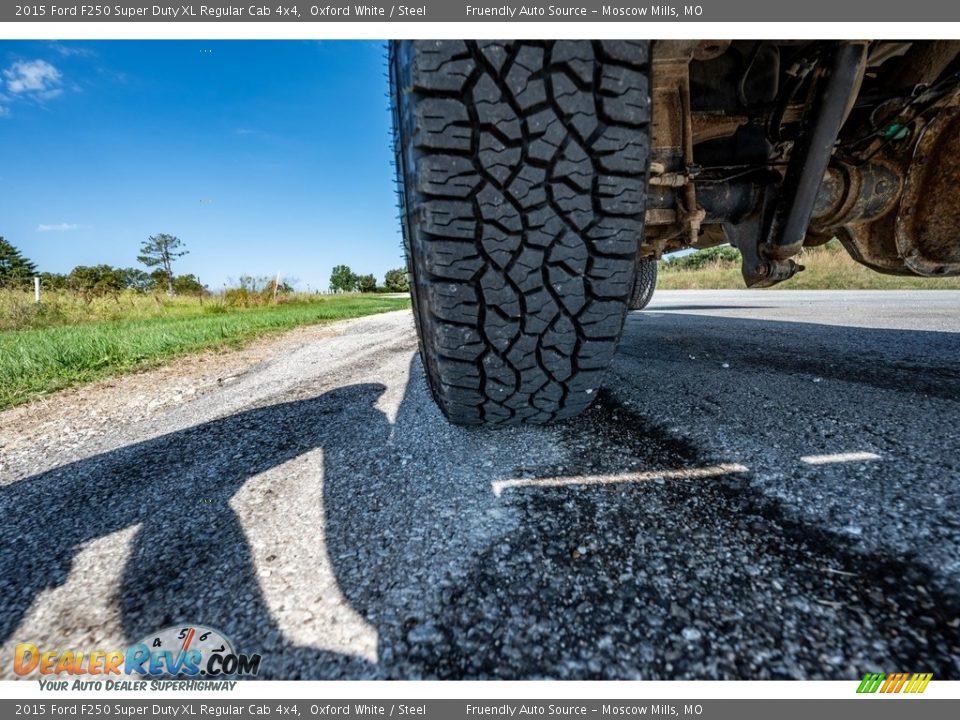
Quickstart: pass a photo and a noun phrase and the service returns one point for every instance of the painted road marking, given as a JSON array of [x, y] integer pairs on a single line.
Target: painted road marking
[[839, 458], [679, 474]]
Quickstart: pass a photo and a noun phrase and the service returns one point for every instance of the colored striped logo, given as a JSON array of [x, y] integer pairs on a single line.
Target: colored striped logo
[[894, 683]]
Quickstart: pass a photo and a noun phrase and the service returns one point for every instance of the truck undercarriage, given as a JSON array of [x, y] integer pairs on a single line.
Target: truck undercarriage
[[773, 146]]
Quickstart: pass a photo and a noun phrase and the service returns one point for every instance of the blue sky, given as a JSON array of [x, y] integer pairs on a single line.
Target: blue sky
[[261, 156]]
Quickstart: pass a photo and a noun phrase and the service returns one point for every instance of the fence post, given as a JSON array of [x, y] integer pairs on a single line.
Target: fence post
[[36, 289]]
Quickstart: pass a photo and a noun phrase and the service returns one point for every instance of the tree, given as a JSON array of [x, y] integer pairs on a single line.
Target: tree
[[54, 281], [188, 285], [15, 269], [343, 279], [160, 251], [367, 283], [96, 280], [396, 280], [159, 278], [136, 279]]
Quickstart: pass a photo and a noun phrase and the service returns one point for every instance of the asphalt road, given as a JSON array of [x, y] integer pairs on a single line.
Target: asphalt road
[[769, 487]]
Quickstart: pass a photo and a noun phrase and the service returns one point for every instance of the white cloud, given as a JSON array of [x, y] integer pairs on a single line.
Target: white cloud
[[58, 227], [36, 77], [72, 50], [49, 94]]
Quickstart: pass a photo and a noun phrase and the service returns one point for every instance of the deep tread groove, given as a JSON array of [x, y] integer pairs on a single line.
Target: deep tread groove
[[522, 204]]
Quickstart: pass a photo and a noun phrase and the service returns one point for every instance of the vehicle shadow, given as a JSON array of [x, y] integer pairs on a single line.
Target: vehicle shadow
[[190, 561]]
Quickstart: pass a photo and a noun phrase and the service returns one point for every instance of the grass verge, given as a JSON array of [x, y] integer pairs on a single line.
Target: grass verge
[[828, 267], [38, 361]]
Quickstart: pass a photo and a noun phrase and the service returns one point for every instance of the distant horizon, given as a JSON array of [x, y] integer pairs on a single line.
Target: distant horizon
[[261, 156]]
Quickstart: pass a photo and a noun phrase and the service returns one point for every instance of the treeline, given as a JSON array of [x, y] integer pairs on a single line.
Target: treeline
[[158, 254], [17, 272], [103, 280], [343, 279], [721, 254]]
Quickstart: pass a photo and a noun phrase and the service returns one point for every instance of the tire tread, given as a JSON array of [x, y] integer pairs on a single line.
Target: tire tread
[[522, 172]]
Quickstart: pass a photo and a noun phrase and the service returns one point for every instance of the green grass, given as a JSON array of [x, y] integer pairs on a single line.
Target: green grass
[[828, 267], [48, 358]]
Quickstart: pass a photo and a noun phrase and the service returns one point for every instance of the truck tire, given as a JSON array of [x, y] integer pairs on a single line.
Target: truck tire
[[522, 170], [644, 283]]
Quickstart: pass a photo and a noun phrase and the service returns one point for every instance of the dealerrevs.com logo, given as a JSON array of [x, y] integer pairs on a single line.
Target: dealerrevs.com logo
[[192, 651]]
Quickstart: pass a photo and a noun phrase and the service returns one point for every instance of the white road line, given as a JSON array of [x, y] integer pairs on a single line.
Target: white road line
[[679, 474], [839, 458]]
